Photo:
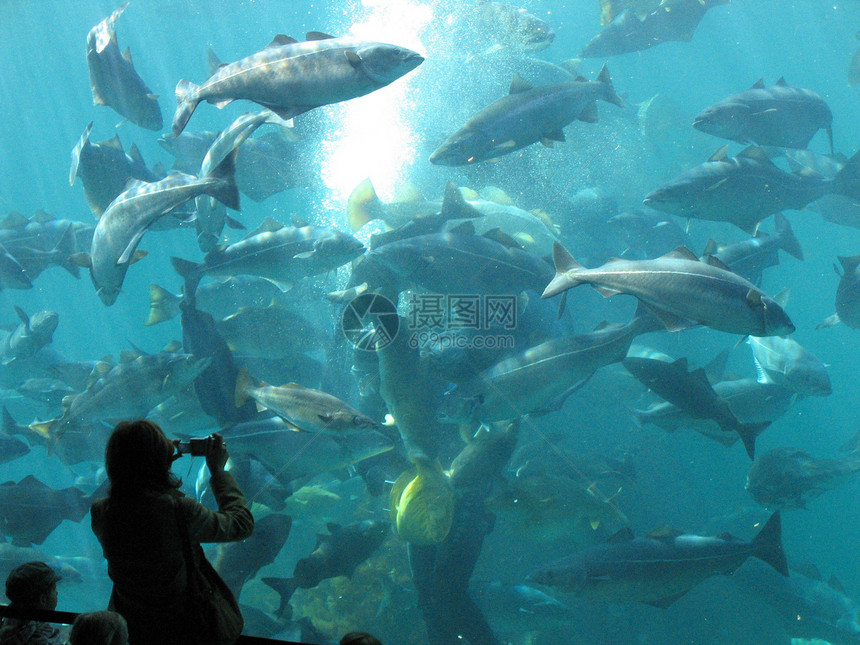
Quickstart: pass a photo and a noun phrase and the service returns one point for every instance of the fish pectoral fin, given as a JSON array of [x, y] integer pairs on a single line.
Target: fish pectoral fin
[[130, 250], [607, 292], [222, 103], [353, 59], [589, 113], [662, 603], [669, 320], [556, 135]]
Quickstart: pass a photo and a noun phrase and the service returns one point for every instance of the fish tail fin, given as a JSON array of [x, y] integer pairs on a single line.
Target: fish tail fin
[[186, 268], [163, 305], [186, 103], [244, 382], [363, 202], [830, 321], [225, 190], [565, 272], [285, 587], [768, 544], [748, 433], [847, 180], [76, 153], [787, 241], [43, 430], [62, 253], [604, 79], [10, 426]]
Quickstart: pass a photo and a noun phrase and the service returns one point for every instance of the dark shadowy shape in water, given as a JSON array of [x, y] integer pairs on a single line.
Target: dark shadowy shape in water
[[238, 562], [114, 80], [789, 478], [631, 30], [847, 294], [216, 384], [661, 567], [335, 554], [525, 116], [105, 168], [779, 115]]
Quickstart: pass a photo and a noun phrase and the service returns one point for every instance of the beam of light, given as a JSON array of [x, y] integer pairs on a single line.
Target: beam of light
[[372, 135]]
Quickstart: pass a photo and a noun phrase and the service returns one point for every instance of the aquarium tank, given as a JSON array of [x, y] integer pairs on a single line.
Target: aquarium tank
[[523, 322]]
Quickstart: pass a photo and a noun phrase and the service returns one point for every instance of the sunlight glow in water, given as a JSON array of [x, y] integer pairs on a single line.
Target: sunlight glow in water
[[374, 138]]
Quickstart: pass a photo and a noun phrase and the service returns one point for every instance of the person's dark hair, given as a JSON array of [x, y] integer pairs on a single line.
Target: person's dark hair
[[99, 628], [28, 582], [137, 459], [359, 638]]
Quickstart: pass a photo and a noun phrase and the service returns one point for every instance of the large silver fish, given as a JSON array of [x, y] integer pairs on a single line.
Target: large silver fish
[[659, 568], [134, 211], [679, 288], [114, 80], [291, 77]]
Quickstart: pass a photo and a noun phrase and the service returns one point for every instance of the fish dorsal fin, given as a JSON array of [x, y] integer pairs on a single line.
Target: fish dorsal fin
[[782, 297], [714, 261], [710, 248], [498, 235], [113, 142], [25, 319], [758, 85], [715, 369], [127, 356], [781, 82], [664, 533], [849, 264], [132, 184], [317, 35], [834, 584], [298, 222], [281, 39], [681, 253], [42, 217], [726, 537], [755, 153], [702, 376], [172, 347], [333, 527], [213, 61], [603, 324], [127, 55], [454, 205], [466, 228], [721, 154], [17, 220], [754, 297], [622, 535], [519, 84], [268, 225], [680, 363], [134, 154]]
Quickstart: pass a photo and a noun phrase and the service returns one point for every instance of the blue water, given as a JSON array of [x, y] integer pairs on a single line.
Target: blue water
[[683, 480]]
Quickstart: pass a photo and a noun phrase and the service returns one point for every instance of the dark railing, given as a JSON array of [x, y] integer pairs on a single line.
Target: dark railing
[[68, 617]]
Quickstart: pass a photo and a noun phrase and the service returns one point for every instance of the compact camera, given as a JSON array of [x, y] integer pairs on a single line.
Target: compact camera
[[194, 447]]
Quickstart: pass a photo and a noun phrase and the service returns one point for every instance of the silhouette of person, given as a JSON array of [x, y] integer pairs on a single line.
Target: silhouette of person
[[138, 526], [359, 638], [99, 628], [32, 585]]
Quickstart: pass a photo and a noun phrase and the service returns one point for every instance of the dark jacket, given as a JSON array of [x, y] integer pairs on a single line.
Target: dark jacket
[[142, 544], [14, 632]]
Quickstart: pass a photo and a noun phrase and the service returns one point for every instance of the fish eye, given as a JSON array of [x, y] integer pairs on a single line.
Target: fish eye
[[356, 420]]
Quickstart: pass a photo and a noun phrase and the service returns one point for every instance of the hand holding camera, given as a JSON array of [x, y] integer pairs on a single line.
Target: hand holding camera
[[211, 447]]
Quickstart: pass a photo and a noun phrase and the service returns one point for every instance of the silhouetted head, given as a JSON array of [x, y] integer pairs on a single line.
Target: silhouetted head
[[99, 628], [359, 638], [138, 458], [32, 585]]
